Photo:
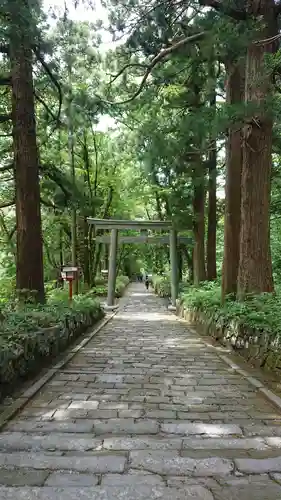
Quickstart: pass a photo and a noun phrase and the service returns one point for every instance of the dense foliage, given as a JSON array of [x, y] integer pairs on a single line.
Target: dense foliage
[[30, 336]]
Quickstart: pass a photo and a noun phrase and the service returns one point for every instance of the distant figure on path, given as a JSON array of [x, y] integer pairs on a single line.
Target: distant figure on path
[[146, 282]]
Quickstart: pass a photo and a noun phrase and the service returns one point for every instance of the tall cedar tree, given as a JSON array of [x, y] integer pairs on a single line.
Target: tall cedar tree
[[212, 190], [234, 159], [26, 159], [255, 267]]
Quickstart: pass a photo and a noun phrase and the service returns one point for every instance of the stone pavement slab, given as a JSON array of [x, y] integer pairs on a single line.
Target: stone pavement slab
[[245, 488], [168, 463], [67, 479], [110, 493], [97, 464], [144, 410]]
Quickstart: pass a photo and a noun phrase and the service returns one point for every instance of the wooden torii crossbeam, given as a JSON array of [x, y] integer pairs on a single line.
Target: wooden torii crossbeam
[[130, 224], [160, 240], [140, 225]]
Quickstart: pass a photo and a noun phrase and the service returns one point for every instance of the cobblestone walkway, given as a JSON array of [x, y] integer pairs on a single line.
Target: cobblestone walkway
[[144, 411]]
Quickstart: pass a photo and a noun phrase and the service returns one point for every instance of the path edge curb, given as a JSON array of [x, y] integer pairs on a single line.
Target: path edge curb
[[31, 391], [253, 381]]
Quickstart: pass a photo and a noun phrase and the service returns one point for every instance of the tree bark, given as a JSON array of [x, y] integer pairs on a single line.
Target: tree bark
[[255, 267], [30, 275], [212, 216], [199, 271], [83, 257], [71, 146], [180, 263], [86, 259], [234, 160], [106, 257], [212, 185], [97, 259]]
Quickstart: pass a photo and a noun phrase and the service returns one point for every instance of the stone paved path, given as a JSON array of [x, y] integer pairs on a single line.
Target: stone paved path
[[144, 411]]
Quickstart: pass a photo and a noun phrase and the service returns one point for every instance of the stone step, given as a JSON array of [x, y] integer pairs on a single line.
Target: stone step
[[82, 426], [186, 428], [96, 464], [138, 492], [255, 443], [20, 441], [168, 462], [67, 442]]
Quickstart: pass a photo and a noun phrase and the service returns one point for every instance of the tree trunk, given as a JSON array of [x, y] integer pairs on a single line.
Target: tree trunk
[[255, 267], [180, 263], [199, 271], [212, 216], [74, 242], [83, 249], [60, 280], [30, 274], [86, 270], [234, 160], [98, 255], [212, 187], [106, 257]]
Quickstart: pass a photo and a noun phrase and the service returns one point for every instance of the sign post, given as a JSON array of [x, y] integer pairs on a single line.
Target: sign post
[[69, 274]]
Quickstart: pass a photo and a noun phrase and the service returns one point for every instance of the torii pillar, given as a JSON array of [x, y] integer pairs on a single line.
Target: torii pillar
[[112, 269], [174, 269]]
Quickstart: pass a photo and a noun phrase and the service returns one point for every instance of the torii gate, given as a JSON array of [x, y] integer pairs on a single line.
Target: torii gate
[[115, 226]]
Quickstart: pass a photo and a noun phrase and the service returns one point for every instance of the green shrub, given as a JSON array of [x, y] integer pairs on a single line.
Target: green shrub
[[100, 281], [98, 291], [101, 290], [58, 295], [261, 313], [121, 283], [162, 285], [31, 334]]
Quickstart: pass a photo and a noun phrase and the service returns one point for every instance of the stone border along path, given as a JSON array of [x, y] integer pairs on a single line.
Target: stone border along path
[[144, 409]]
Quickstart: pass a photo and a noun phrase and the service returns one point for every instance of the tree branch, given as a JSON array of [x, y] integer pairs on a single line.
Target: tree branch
[[55, 175], [6, 168], [163, 54], [12, 232], [52, 78], [4, 49], [5, 118], [6, 204], [96, 161], [239, 15], [129, 65], [6, 80], [47, 203], [49, 111]]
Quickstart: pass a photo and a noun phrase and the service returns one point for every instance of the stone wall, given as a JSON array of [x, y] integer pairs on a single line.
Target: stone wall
[[25, 354], [257, 347]]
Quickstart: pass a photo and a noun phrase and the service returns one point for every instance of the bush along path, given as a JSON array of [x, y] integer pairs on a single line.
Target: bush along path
[[251, 327], [33, 335], [144, 410]]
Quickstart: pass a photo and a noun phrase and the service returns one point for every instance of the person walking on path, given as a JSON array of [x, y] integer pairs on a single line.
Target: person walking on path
[[146, 282]]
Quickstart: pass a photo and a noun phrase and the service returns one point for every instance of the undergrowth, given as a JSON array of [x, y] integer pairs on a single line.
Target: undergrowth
[[257, 312], [261, 312]]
